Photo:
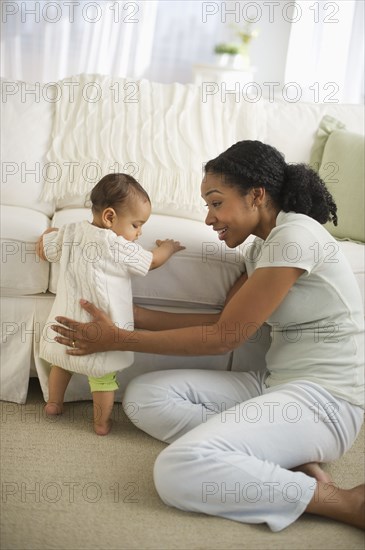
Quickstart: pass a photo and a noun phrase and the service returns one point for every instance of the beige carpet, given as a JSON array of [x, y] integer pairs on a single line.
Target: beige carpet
[[65, 488]]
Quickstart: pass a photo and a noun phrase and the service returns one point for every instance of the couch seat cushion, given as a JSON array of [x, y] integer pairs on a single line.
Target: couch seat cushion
[[182, 281], [22, 272]]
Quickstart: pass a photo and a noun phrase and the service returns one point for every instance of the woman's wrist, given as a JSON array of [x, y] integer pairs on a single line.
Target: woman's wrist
[[125, 340], [136, 315]]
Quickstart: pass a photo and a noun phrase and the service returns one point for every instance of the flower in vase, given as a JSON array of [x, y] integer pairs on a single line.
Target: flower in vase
[[241, 49]]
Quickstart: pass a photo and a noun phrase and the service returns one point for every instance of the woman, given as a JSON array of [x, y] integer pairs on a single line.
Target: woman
[[247, 446]]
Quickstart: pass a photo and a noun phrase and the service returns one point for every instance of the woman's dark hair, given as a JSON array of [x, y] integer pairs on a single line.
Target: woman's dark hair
[[115, 190], [292, 187]]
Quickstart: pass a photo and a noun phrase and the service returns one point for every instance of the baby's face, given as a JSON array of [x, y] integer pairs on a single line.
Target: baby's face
[[129, 220]]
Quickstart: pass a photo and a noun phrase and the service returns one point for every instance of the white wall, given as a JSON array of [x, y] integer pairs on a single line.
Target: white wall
[[187, 32], [269, 49]]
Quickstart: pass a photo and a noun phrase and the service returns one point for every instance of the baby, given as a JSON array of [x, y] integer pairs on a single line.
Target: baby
[[96, 263]]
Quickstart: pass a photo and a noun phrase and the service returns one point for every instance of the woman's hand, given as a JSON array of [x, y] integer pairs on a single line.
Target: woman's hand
[[98, 335]]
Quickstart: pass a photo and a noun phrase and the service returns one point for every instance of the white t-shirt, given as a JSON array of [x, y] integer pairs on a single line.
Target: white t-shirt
[[95, 264], [317, 331]]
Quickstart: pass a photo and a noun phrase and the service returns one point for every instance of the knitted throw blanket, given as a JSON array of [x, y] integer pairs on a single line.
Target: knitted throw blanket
[[161, 134]]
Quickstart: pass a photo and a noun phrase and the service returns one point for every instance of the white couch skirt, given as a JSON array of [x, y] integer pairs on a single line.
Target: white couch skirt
[[26, 316]]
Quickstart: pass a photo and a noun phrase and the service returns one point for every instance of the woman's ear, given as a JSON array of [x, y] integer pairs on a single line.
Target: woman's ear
[[258, 195], [108, 216]]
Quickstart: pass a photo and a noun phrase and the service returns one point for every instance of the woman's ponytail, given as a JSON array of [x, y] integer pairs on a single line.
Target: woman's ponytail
[[304, 192]]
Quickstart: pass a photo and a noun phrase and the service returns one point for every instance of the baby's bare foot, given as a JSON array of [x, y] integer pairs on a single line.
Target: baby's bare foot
[[103, 428], [313, 469], [53, 408]]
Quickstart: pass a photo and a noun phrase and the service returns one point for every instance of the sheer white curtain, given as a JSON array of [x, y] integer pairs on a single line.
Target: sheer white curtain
[[46, 41], [326, 50], [317, 44]]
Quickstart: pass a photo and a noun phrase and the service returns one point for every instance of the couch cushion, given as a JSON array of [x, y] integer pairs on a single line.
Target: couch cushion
[[22, 272], [327, 125], [291, 127], [338, 156], [26, 119], [182, 281], [342, 169]]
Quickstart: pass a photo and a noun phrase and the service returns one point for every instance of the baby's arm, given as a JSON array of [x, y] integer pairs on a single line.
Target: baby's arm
[[39, 246], [164, 250]]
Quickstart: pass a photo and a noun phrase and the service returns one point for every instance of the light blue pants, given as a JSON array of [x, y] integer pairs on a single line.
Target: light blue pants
[[234, 440]]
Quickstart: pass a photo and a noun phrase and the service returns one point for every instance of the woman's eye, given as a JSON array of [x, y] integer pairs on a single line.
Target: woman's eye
[[214, 204], [135, 226]]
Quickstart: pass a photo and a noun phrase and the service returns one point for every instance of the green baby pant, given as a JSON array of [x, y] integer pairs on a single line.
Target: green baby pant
[[108, 382]]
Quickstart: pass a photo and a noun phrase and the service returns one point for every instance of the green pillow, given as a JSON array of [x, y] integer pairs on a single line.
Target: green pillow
[[342, 170], [327, 125], [338, 156]]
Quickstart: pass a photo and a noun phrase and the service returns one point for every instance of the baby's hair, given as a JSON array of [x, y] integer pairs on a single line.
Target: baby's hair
[[292, 187], [115, 190]]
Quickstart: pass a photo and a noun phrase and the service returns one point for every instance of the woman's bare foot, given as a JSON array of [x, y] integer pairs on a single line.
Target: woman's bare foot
[[357, 496], [345, 505], [53, 409], [358, 499], [103, 429], [313, 469]]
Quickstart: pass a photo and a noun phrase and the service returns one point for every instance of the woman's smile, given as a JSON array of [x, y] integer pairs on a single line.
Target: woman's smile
[[221, 233]]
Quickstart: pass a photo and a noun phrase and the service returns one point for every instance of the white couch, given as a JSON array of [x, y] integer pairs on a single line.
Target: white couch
[[162, 134]]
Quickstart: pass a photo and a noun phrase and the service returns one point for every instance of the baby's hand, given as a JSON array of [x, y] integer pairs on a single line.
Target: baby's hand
[[39, 245], [170, 245], [164, 250]]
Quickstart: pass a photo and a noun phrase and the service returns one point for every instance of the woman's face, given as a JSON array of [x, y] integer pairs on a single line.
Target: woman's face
[[232, 215]]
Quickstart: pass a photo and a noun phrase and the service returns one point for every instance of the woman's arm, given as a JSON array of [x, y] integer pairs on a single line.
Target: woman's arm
[[149, 319], [237, 285], [248, 309]]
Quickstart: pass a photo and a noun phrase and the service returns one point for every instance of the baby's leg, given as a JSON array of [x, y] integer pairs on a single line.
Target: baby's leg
[[103, 390], [57, 385], [103, 406]]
